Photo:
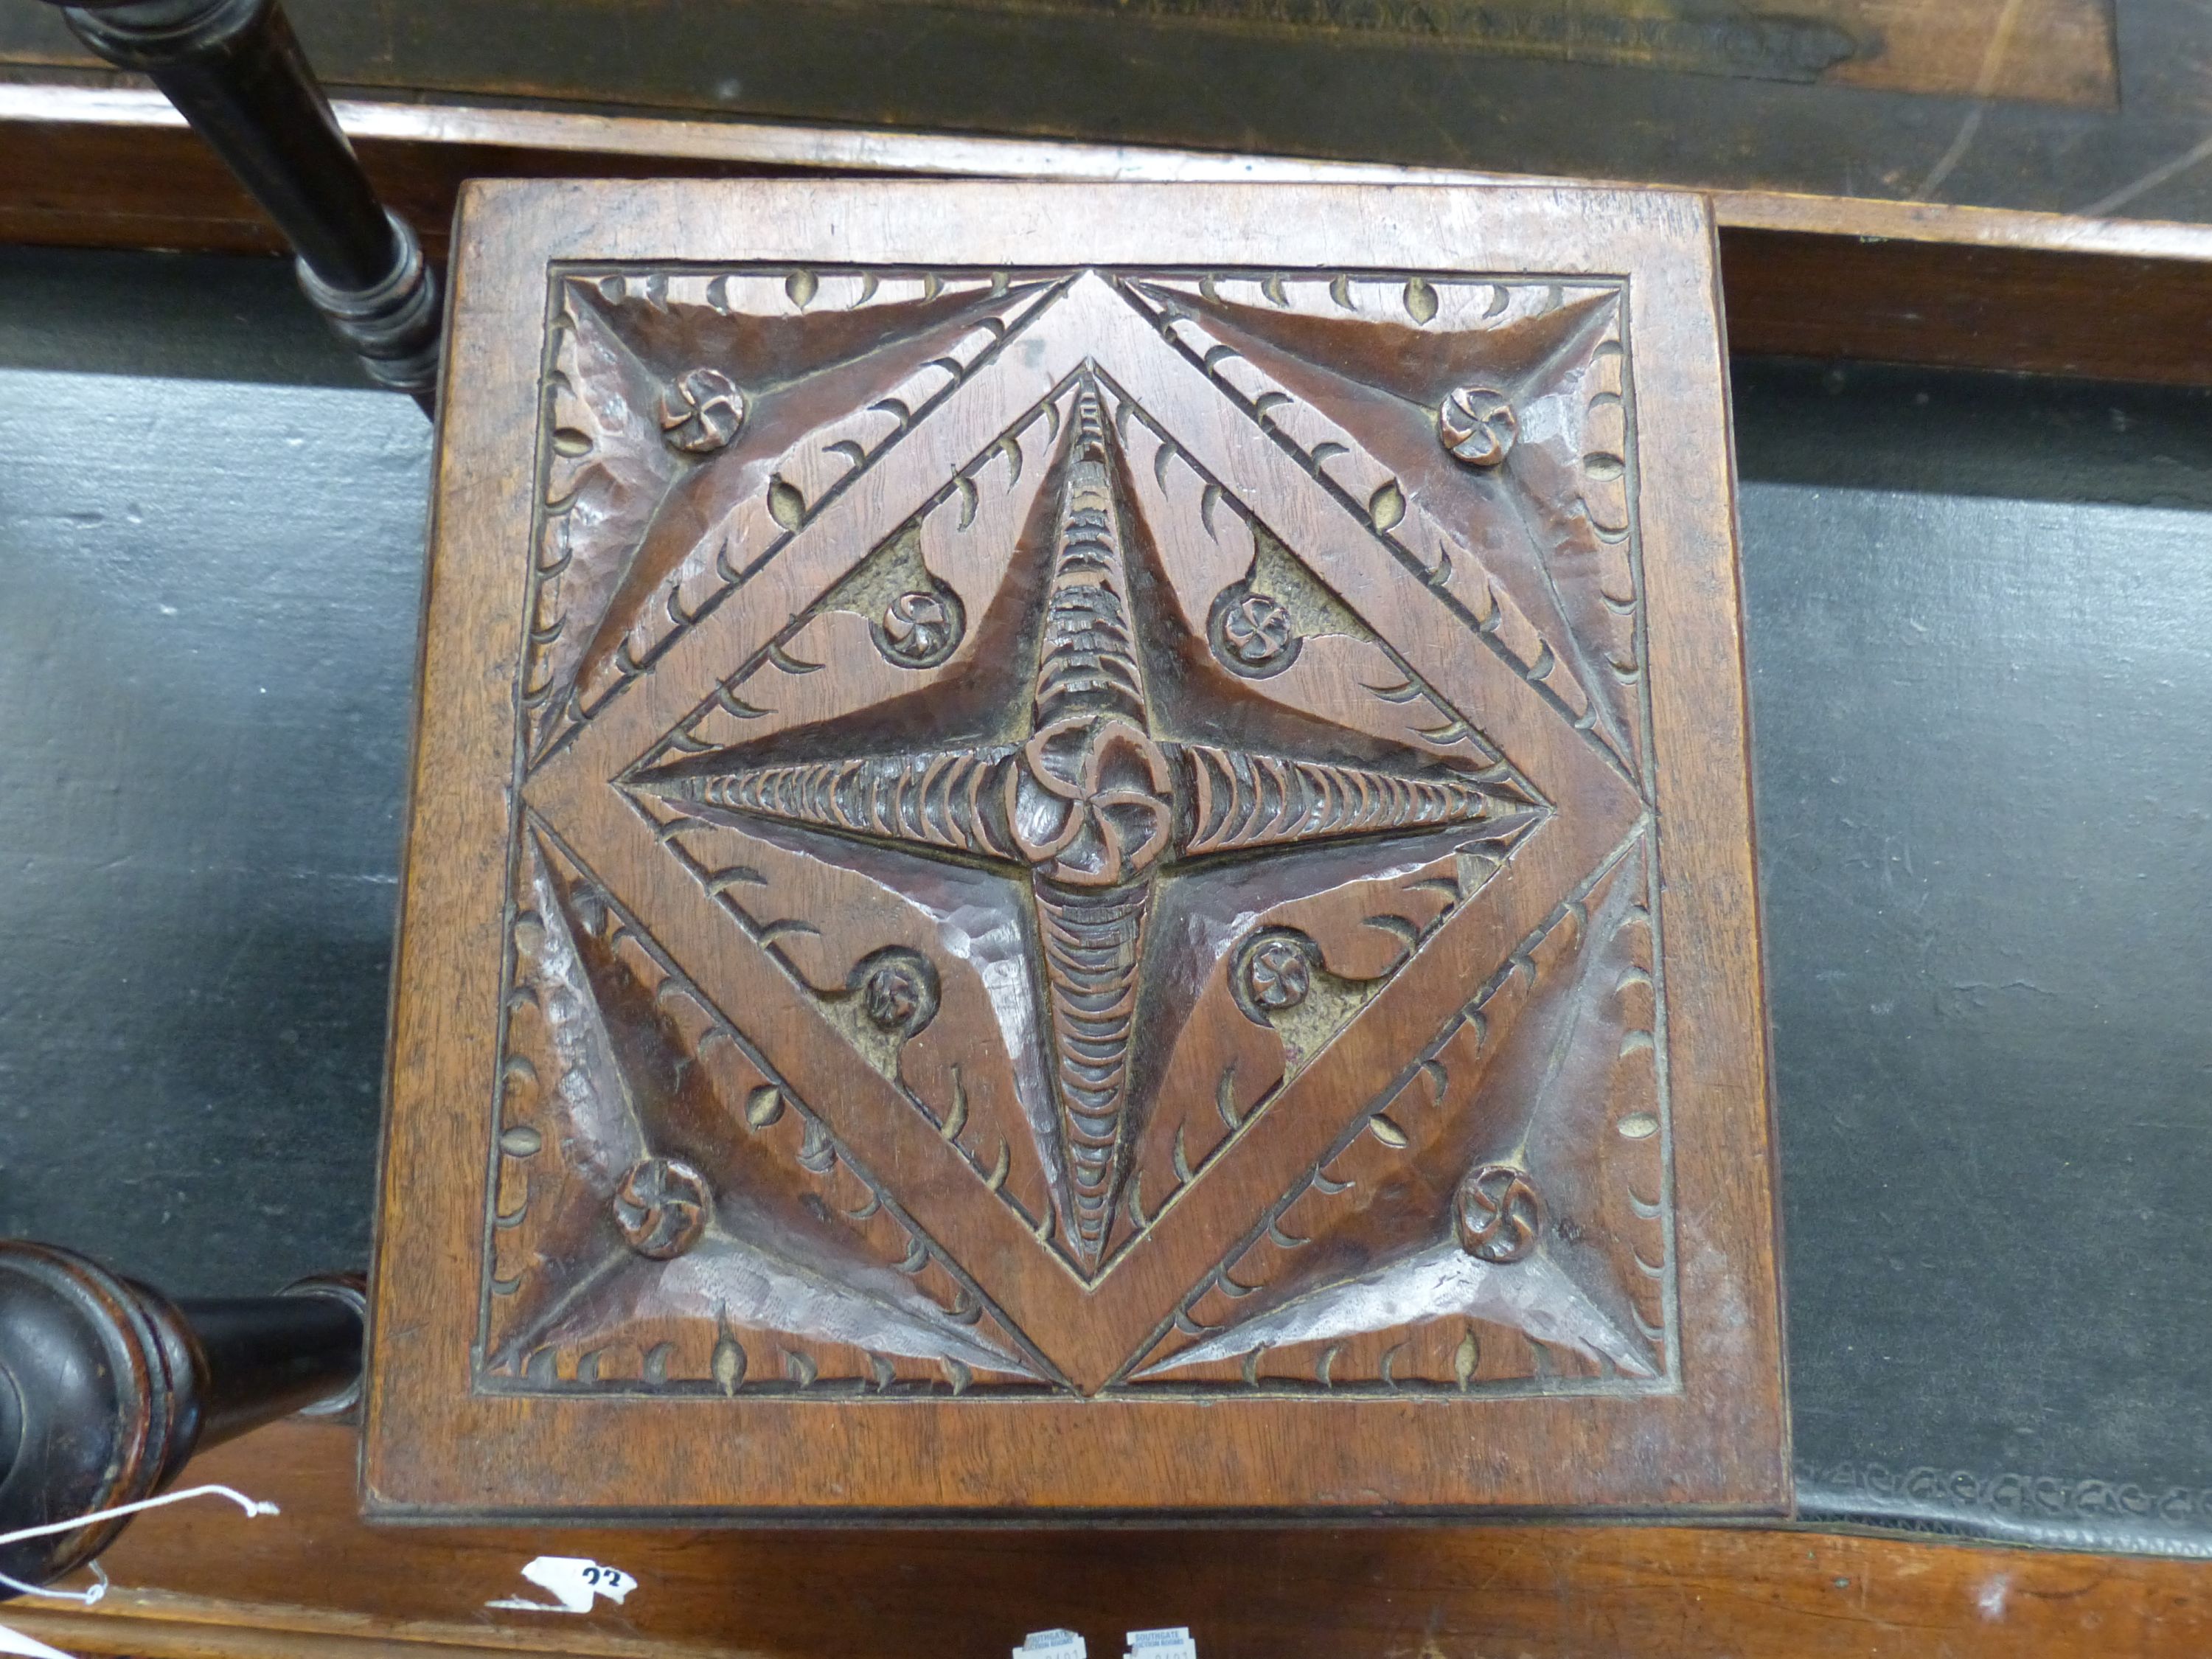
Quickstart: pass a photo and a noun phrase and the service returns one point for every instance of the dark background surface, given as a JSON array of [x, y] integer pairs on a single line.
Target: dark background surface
[[1979, 620], [1979, 613], [1728, 113]]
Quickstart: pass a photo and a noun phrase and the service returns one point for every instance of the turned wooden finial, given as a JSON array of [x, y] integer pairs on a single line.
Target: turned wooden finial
[[234, 69], [107, 1388]]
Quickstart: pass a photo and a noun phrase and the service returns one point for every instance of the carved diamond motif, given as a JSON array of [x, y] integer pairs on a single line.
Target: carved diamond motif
[[1086, 763], [1096, 812]]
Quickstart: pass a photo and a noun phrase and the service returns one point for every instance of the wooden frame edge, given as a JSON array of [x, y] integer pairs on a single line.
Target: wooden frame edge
[[1664, 237], [816, 147], [318, 1582], [1917, 283]]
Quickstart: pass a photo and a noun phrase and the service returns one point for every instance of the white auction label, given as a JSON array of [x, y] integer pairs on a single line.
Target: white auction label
[[576, 1581]]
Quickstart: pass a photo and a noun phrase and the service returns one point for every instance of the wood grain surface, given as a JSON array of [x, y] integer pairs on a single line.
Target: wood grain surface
[[1844, 277], [535, 140], [1124, 880], [205, 1584]]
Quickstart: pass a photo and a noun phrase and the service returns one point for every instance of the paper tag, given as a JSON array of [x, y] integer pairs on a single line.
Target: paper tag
[[1052, 1644], [575, 1580], [1162, 1644]]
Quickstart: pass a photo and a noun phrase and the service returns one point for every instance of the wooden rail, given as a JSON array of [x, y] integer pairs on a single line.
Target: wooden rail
[[318, 1582], [1806, 276]]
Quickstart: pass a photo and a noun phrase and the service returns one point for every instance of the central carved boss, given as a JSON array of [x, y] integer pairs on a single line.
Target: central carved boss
[[1075, 818]]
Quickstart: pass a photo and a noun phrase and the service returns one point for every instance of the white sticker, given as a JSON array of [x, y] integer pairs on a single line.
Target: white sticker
[[575, 1580], [13, 1641], [1162, 1644], [1052, 1644]]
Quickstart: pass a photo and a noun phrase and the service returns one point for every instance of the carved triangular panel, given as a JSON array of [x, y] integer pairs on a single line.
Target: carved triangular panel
[[1092, 837]]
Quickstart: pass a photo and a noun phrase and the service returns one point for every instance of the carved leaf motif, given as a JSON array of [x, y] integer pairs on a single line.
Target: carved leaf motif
[[605, 472], [822, 916], [1370, 431], [1203, 543], [1573, 463], [802, 1256], [828, 382], [1442, 1284], [964, 542], [1532, 1074], [1366, 910]]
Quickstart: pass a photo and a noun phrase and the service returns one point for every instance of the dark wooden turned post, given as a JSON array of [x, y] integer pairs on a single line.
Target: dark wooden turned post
[[236, 71], [107, 1388]]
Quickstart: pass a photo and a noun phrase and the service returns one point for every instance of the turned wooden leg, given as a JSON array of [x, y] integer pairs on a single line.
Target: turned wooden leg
[[107, 1388], [236, 71]]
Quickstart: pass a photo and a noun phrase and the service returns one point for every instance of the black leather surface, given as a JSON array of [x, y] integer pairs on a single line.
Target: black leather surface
[[208, 599], [1980, 629], [1982, 710]]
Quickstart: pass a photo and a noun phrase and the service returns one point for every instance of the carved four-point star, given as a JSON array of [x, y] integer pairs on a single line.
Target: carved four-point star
[[1094, 807]]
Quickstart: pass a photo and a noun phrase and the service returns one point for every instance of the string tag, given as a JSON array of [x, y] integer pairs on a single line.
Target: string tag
[[15, 1642]]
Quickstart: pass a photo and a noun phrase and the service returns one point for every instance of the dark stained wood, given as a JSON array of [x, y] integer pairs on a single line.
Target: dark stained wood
[[2026, 311], [1819, 276], [235, 69], [107, 1386], [315, 1582], [236, 72], [527, 142], [1078, 848]]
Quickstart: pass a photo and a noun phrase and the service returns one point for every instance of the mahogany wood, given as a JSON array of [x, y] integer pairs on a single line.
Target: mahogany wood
[[1809, 292], [532, 138], [1849, 278], [318, 1582], [1079, 850]]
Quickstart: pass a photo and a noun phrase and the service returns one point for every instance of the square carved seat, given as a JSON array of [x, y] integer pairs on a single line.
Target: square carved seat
[[1079, 850]]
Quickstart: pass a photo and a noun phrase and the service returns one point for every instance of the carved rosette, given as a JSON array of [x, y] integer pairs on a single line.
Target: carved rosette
[[1187, 805]]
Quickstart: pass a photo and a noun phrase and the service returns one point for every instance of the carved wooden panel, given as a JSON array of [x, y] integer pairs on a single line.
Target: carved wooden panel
[[1065, 852]]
